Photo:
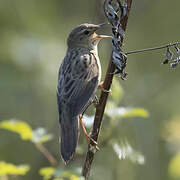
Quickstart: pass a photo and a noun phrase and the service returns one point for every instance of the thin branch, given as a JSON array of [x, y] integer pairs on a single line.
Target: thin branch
[[5, 177], [152, 49], [102, 104], [46, 153]]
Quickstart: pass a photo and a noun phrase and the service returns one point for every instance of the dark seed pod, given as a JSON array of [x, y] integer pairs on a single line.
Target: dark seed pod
[[173, 65], [169, 54], [115, 12], [166, 61]]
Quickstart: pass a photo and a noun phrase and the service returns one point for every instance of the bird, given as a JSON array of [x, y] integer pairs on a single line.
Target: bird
[[78, 79]]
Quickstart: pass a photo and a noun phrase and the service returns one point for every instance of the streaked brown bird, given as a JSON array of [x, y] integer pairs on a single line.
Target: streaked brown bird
[[79, 77]]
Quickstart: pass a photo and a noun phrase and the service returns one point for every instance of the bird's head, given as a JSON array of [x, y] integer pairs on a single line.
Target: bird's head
[[85, 35]]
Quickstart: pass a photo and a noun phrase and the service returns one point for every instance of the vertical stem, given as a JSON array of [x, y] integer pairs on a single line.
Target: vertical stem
[[46, 153], [102, 104]]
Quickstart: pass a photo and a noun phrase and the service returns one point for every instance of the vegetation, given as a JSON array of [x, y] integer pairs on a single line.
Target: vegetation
[[140, 135]]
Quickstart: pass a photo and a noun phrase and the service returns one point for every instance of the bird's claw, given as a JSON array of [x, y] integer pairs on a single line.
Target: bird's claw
[[93, 143], [100, 86]]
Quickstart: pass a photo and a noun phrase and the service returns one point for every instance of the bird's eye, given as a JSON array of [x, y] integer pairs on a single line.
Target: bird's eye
[[86, 32]]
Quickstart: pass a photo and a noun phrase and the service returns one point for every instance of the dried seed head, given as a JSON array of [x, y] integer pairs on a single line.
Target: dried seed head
[[166, 61], [168, 54], [115, 12], [173, 65]]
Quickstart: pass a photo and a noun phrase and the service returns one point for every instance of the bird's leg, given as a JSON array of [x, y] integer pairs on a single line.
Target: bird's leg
[[100, 86], [85, 132], [95, 101]]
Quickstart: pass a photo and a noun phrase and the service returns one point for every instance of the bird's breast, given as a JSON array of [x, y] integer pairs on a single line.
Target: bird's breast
[[98, 64], [85, 61]]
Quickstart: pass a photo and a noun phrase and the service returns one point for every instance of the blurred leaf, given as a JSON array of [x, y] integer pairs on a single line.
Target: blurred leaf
[[136, 112], [80, 150], [114, 112], [71, 176], [171, 131], [20, 127], [47, 172], [174, 166], [10, 169], [40, 136], [59, 174], [25, 131], [124, 151], [117, 91]]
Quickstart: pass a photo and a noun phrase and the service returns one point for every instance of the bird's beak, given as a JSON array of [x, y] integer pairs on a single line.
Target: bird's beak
[[102, 36], [96, 36]]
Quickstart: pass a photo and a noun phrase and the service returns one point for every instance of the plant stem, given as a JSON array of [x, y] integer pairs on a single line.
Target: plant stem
[[5, 177], [152, 49], [102, 104], [46, 153]]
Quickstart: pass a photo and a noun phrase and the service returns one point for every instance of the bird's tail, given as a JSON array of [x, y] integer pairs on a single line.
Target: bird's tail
[[69, 137]]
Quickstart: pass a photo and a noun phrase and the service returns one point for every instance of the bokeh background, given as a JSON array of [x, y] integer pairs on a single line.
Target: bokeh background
[[32, 45]]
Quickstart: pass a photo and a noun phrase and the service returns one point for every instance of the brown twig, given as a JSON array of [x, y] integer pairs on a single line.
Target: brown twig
[[152, 49], [46, 153], [5, 177], [102, 103]]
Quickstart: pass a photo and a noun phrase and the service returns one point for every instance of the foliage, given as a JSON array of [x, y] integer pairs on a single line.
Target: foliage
[[174, 166], [25, 131], [47, 172], [33, 43], [171, 135], [118, 112], [40, 136], [125, 151], [11, 169], [37, 137], [56, 174], [20, 127], [114, 111]]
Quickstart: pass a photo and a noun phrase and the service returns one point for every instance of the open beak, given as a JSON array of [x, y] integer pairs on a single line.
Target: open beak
[[102, 36], [96, 36]]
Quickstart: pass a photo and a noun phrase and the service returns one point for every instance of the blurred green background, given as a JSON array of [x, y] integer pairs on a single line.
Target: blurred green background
[[33, 43]]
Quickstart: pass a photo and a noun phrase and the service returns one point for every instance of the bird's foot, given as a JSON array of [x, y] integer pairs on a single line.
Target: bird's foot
[[93, 142], [101, 86]]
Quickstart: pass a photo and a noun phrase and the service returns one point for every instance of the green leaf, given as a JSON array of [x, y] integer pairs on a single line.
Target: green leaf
[[40, 136], [174, 166], [71, 176], [117, 91], [20, 127], [47, 172], [114, 112], [136, 112], [57, 174], [125, 151], [11, 169], [25, 131]]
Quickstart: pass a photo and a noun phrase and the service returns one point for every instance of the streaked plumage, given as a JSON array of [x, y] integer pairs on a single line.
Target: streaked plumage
[[79, 76]]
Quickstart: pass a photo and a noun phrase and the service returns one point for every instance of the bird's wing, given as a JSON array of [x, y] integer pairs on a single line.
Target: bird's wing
[[78, 81]]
